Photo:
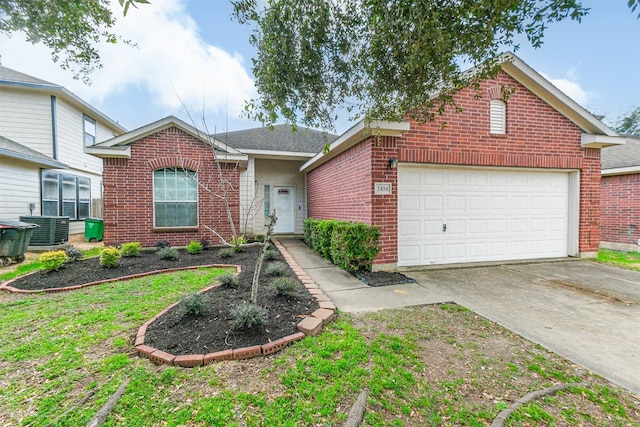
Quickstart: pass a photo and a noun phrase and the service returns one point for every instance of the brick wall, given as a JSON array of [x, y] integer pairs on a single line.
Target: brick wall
[[128, 190], [620, 209], [537, 137]]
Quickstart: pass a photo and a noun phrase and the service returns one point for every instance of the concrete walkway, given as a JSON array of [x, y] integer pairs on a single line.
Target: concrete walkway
[[586, 312]]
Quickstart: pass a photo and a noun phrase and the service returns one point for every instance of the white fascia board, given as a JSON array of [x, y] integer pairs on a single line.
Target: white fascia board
[[162, 124], [357, 133], [232, 158], [588, 140], [119, 152], [553, 96], [621, 171], [278, 155]]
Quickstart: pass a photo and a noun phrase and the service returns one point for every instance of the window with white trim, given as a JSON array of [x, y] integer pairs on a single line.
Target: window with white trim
[[498, 117], [175, 198], [65, 195], [89, 131]]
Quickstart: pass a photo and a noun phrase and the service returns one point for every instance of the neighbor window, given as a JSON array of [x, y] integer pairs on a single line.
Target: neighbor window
[[65, 195], [175, 198], [498, 117], [89, 131]]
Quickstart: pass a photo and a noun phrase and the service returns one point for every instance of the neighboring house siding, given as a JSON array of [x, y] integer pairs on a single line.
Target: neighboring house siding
[[71, 139], [128, 190], [620, 211], [537, 136], [25, 117], [19, 186]]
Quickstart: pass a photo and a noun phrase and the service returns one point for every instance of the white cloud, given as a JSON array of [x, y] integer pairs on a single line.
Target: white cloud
[[570, 87], [170, 60]]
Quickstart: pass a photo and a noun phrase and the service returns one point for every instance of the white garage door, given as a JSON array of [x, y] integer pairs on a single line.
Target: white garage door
[[460, 215]]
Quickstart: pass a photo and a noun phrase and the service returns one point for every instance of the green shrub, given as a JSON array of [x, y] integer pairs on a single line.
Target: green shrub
[[323, 235], [248, 316], [168, 254], [131, 249], [277, 269], [110, 257], [354, 245], [194, 305], [237, 243], [53, 260], [194, 247], [270, 254], [226, 253], [309, 227], [73, 253], [228, 279], [285, 285]]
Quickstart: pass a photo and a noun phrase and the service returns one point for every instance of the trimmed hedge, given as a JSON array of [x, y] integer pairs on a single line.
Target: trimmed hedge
[[351, 246]]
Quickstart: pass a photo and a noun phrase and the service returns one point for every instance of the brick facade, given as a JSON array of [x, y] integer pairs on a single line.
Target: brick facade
[[620, 211], [537, 136], [128, 190]]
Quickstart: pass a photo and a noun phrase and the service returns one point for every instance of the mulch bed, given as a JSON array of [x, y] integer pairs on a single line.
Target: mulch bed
[[180, 334]]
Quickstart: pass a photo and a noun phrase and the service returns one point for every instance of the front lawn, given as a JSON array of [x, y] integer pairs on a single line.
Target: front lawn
[[628, 260], [63, 354]]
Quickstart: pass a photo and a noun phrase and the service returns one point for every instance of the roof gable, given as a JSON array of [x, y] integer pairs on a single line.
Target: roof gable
[[120, 146]]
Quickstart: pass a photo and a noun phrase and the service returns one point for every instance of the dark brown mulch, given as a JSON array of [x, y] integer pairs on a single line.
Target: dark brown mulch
[[180, 334]]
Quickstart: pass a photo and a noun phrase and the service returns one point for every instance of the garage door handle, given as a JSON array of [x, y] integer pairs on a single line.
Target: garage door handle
[[444, 227]]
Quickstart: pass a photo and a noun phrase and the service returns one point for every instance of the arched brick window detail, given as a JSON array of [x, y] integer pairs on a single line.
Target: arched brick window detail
[[175, 198], [498, 117]]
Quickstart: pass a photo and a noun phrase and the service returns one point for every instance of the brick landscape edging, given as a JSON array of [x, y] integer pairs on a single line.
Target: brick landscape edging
[[310, 325], [5, 286]]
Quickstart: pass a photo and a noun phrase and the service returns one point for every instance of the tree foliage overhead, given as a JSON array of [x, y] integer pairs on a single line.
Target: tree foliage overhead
[[629, 124], [382, 58], [71, 29]]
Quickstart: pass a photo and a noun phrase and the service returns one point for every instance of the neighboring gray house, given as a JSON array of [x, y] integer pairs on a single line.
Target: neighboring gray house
[[43, 169]]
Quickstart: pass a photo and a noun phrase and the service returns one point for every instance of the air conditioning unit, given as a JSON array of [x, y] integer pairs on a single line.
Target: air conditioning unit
[[53, 230]]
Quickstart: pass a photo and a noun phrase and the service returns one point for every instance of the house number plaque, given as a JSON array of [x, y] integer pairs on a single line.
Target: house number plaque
[[382, 188]]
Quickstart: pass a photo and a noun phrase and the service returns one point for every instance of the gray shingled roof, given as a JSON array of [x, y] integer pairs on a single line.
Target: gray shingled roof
[[14, 150], [16, 76], [281, 138], [622, 156]]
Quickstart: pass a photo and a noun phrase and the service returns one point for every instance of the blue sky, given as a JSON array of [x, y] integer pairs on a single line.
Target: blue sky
[[191, 53]]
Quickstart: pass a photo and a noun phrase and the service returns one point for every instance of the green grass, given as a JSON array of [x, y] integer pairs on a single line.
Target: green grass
[[628, 260], [432, 365]]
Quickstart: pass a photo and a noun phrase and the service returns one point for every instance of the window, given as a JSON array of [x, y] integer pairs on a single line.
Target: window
[[65, 195], [498, 117], [89, 131], [175, 198]]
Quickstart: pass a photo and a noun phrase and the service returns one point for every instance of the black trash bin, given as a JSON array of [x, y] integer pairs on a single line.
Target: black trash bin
[[14, 240]]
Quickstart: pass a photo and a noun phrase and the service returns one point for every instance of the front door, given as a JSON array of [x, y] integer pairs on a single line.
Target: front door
[[284, 199]]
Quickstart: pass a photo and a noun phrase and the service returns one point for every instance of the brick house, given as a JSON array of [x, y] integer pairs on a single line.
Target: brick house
[[508, 178], [619, 202], [505, 179], [161, 182]]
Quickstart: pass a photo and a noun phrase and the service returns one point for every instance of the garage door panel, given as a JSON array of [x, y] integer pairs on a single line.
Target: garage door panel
[[490, 215]]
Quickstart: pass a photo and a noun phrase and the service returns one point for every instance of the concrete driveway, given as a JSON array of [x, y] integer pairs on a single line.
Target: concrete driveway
[[586, 312]]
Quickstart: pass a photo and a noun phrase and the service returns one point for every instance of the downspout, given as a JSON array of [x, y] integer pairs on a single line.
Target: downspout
[[54, 136]]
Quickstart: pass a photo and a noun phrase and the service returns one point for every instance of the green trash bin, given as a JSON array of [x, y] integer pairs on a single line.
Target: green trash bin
[[93, 229]]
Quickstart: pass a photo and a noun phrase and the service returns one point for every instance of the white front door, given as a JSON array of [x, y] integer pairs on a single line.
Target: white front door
[[284, 201], [459, 215]]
